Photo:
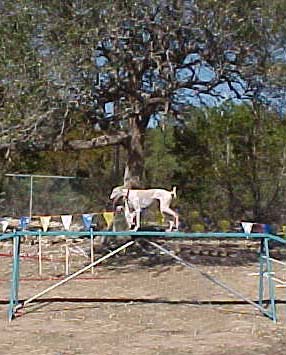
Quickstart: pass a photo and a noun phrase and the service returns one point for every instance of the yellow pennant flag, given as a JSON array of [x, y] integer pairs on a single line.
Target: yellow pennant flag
[[108, 216], [45, 222]]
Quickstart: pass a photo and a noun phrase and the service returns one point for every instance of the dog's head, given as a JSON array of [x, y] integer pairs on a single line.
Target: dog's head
[[118, 192]]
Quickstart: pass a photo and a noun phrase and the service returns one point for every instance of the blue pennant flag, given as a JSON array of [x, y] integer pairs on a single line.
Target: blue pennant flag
[[87, 220], [267, 228], [24, 221]]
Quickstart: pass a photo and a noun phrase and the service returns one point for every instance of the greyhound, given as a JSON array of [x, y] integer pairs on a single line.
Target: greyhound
[[135, 200]]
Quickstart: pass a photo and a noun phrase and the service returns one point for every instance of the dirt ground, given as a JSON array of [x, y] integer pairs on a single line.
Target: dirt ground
[[140, 302]]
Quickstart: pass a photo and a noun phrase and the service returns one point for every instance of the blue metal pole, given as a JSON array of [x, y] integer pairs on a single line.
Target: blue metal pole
[[271, 286], [261, 272], [15, 277]]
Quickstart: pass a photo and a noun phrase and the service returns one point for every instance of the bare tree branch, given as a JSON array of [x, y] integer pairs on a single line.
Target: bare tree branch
[[97, 142]]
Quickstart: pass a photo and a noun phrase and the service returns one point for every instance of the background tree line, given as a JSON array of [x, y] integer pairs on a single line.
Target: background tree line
[[228, 164]]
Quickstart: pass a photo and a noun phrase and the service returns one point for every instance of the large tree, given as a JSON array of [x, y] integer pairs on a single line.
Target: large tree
[[83, 75]]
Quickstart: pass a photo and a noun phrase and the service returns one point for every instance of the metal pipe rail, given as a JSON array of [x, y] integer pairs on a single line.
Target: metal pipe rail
[[145, 234]]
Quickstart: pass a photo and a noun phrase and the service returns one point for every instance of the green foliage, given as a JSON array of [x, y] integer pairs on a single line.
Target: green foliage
[[160, 165], [224, 225], [235, 160], [198, 228], [195, 215]]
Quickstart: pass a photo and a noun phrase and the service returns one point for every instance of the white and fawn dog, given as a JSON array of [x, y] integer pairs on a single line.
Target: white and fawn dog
[[136, 200]]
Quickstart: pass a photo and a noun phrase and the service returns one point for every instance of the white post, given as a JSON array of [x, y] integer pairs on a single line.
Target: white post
[[40, 253], [31, 197], [67, 258], [91, 250]]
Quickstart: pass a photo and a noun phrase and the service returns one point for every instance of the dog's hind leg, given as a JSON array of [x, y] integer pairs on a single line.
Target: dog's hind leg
[[171, 225], [170, 212]]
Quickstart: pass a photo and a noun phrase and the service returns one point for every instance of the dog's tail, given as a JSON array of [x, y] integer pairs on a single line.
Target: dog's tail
[[174, 192]]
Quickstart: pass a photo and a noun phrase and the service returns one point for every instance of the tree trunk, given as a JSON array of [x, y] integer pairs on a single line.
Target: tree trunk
[[135, 154]]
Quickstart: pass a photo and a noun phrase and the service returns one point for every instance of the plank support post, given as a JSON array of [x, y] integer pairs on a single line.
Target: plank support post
[[265, 272], [91, 250], [14, 300]]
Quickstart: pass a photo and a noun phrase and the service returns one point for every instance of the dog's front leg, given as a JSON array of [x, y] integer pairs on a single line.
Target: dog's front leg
[[137, 220], [171, 225], [137, 211]]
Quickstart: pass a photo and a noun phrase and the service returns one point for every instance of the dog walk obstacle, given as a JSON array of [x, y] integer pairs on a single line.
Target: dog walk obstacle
[[267, 279]]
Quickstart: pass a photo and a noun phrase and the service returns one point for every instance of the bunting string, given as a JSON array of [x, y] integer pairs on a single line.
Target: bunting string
[[45, 222]]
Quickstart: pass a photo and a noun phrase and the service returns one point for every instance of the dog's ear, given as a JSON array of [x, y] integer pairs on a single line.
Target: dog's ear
[[174, 192]]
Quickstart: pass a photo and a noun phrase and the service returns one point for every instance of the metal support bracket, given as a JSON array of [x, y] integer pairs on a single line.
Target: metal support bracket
[[271, 314]]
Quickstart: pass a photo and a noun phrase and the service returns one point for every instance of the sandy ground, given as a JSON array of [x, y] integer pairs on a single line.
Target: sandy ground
[[139, 304]]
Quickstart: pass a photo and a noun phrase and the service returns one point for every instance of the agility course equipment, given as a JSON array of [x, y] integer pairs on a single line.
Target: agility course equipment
[[267, 279]]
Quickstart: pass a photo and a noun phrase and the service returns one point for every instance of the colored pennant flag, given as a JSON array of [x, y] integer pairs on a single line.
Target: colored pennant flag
[[24, 221], [108, 217], [87, 220], [247, 226], [5, 224], [66, 220], [45, 222], [267, 228]]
